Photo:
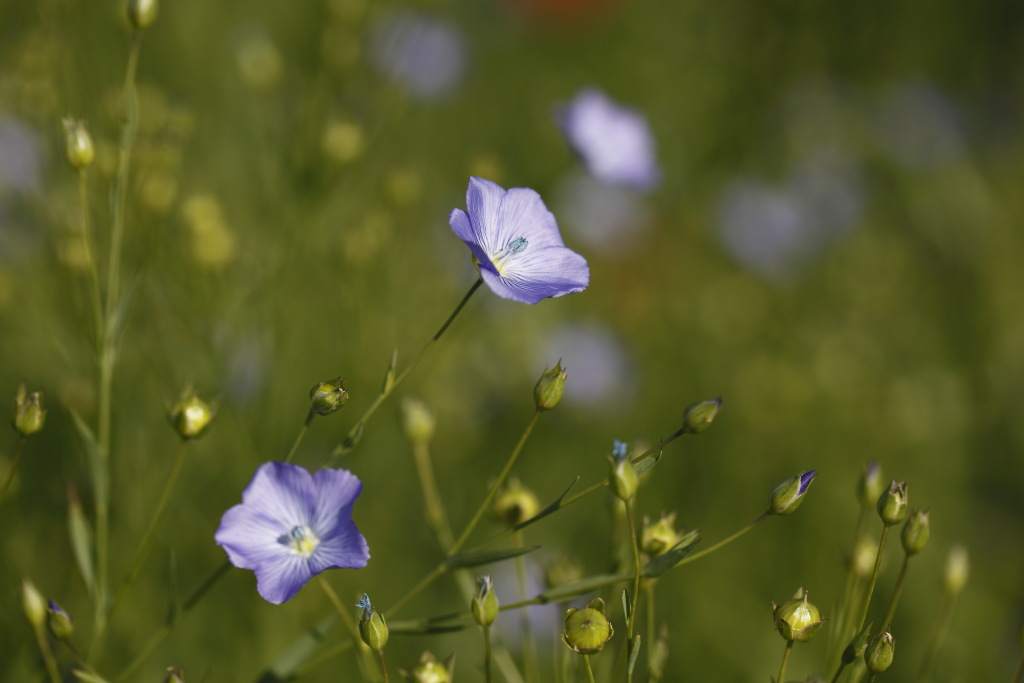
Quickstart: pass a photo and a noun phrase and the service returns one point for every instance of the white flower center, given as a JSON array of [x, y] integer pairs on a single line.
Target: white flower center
[[301, 540], [516, 246]]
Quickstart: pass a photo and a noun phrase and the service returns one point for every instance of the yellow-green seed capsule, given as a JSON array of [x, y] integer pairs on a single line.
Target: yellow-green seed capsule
[[191, 416], [622, 478], [429, 670], [787, 496], [698, 416], [916, 532], [658, 538], [871, 484], [957, 569], [29, 415], [515, 504], [59, 622], [484, 605], [141, 13], [417, 421], [587, 629], [892, 505], [328, 397], [32, 604], [797, 619], [550, 387], [879, 653], [372, 627], [78, 149]]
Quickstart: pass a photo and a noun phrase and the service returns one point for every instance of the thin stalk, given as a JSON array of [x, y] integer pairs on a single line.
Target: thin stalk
[[487, 654], [590, 672], [873, 580], [298, 438], [891, 611], [433, 507], [707, 551], [785, 660], [635, 597], [649, 594], [840, 634], [362, 649], [383, 666], [9, 477], [357, 428], [485, 505], [526, 632], [95, 298], [48, 660], [417, 589], [77, 656]]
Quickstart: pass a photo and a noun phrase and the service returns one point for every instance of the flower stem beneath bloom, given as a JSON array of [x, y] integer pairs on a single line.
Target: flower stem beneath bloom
[[300, 435], [350, 623], [590, 672], [635, 597], [707, 551], [891, 611], [785, 660]]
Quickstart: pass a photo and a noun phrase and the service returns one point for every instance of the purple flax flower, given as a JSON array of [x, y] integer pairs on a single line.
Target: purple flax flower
[[291, 526], [614, 142], [516, 243]]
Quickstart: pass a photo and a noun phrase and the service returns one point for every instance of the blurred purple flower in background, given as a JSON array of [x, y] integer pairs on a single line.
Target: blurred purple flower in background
[[291, 526], [600, 373], [919, 126], [614, 142], [516, 243], [426, 55], [605, 218], [21, 172]]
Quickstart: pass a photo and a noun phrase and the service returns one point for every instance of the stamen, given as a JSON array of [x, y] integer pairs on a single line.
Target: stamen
[[301, 540], [516, 246]]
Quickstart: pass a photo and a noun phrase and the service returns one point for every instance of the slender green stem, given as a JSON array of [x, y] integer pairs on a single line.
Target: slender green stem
[[634, 599], [343, 611], [785, 660], [529, 649], [891, 611], [354, 433], [9, 477], [383, 666], [485, 505], [433, 507], [873, 580], [48, 659], [590, 672], [77, 656], [840, 634], [707, 551], [487, 653], [298, 438], [90, 261], [649, 594], [872, 677], [154, 524]]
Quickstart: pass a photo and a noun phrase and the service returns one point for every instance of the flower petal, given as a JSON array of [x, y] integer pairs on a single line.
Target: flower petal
[[463, 228], [483, 199], [279, 580], [281, 491], [549, 273], [523, 214]]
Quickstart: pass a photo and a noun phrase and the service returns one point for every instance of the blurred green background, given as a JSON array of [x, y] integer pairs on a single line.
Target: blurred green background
[[835, 249]]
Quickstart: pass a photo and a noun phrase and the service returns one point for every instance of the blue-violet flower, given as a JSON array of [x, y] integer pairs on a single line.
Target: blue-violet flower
[[516, 243], [291, 526], [613, 141]]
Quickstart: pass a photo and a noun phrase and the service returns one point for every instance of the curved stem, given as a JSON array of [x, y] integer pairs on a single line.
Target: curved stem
[[874, 578], [18, 449], [298, 438], [785, 660], [634, 599], [433, 507], [496, 485], [889, 613], [90, 261], [707, 551], [526, 632]]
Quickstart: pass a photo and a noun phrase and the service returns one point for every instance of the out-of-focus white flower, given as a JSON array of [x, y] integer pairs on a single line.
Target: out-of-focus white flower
[[425, 54], [605, 218]]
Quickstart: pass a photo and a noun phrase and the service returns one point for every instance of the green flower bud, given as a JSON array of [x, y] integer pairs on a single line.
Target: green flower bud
[[698, 416], [957, 569], [587, 629], [429, 670], [32, 604], [858, 645], [59, 622], [417, 421], [797, 619], [562, 570], [916, 532], [372, 627], [485, 603], [78, 149], [658, 538], [190, 416], [879, 653], [327, 397], [29, 415], [871, 484], [175, 675], [787, 496], [622, 476], [863, 560], [550, 387], [892, 505], [141, 13], [514, 504]]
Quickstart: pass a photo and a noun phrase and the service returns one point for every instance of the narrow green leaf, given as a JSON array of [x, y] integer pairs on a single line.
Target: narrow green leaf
[[627, 607], [478, 557], [95, 459], [648, 463], [298, 653], [663, 563], [634, 652], [81, 541], [571, 590], [389, 376], [549, 509]]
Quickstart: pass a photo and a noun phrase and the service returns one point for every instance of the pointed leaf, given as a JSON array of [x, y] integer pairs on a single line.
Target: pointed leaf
[[648, 462], [549, 509], [627, 607], [663, 563], [81, 541], [634, 652], [478, 557], [95, 459], [389, 376]]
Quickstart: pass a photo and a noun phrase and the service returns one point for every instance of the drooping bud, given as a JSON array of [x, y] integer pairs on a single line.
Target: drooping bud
[[587, 629], [190, 416], [787, 496], [58, 621], [858, 645], [550, 387], [871, 484], [372, 627], [29, 415], [698, 416], [797, 619], [957, 569], [916, 532], [32, 604], [417, 421], [141, 13], [429, 670], [514, 504], [485, 603], [658, 538], [78, 149], [622, 476], [328, 397], [892, 504], [879, 653]]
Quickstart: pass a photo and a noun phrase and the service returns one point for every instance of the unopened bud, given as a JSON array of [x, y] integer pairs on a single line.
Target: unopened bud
[[29, 415], [141, 13], [957, 569], [658, 538], [787, 496], [587, 629], [417, 421], [550, 387], [190, 416], [429, 670], [327, 397], [175, 675], [484, 605], [879, 653], [32, 604], [916, 532], [372, 627], [78, 149], [622, 476], [59, 622], [892, 505], [871, 484], [698, 416], [797, 619]]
